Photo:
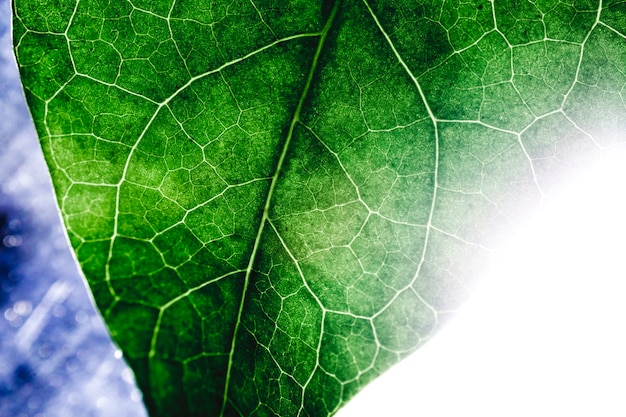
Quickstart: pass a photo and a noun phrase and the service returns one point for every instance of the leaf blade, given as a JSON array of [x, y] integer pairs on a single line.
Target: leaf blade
[[164, 173]]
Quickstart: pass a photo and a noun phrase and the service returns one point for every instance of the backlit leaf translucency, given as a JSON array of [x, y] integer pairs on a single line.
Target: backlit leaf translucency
[[274, 201]]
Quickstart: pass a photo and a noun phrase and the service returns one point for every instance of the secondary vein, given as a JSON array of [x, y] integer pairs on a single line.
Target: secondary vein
[[434, 120], [268, 200]]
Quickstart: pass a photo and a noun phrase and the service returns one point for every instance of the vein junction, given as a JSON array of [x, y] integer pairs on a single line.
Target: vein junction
[[243, 280]]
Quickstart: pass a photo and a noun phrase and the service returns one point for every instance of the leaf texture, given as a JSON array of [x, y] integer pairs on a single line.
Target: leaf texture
[[274, 201]]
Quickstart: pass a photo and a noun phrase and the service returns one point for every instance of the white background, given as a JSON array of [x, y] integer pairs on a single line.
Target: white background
[[546, 336]]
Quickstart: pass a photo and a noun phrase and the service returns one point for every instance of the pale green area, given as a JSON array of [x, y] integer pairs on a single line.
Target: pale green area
[[275, 201]]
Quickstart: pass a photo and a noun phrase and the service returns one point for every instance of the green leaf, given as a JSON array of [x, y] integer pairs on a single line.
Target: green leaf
[[275, 201]]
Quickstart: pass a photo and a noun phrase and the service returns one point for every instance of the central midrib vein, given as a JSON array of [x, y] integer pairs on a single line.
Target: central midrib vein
[[268, 200]]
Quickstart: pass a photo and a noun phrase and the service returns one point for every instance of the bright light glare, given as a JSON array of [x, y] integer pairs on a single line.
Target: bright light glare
[[546, 336]]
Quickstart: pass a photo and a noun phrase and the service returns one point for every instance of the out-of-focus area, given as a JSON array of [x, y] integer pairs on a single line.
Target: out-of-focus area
[[543, 337], [56, 357]]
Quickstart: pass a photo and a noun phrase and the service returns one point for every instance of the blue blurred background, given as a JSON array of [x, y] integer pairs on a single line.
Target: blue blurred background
[[56, 357], [561, 357]]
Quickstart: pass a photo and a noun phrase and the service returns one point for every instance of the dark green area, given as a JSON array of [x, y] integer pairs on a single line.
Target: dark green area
[[275, 201]]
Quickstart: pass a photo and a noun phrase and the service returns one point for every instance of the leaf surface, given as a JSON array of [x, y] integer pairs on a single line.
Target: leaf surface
[[275, 201]]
